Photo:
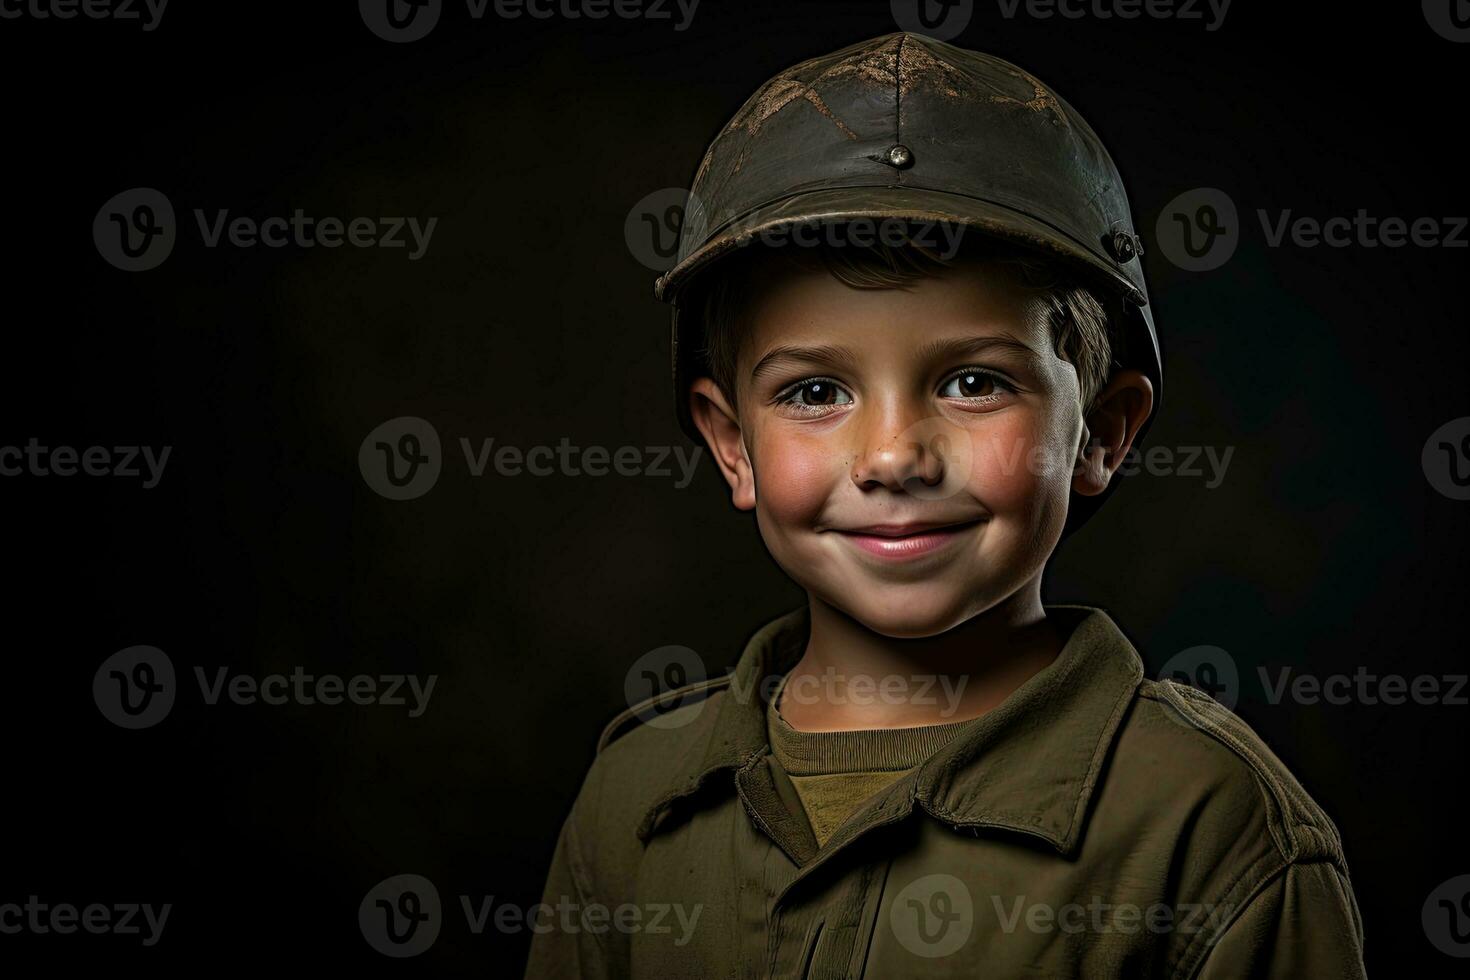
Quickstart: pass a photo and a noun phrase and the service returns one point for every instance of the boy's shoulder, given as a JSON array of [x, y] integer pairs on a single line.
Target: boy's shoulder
[[1190, 747], [666, 713], [1190, 787], [663, 747], [647, 756], [679, 730]]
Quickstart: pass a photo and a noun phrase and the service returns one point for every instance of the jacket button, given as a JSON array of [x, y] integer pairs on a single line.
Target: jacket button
[[899, 156]]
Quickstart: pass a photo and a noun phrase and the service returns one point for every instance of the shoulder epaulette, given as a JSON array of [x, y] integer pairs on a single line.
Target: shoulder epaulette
[[631, 718], [1302, 830]]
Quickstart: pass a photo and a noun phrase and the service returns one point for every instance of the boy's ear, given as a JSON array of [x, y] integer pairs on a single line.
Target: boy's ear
[[1111, 425], [720, 426]]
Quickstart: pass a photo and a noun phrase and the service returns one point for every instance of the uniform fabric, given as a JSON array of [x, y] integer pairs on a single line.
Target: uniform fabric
[[1095, 824]]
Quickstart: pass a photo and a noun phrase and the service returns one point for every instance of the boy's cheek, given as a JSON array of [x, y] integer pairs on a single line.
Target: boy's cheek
[[1003, 459], [795, 477], [1009, 464], [1013, 464]]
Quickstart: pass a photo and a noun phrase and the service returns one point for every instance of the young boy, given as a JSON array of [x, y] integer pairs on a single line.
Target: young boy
[[911, 327]]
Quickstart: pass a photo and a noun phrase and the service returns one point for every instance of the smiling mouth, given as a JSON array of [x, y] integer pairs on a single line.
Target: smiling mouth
[[903, 541]]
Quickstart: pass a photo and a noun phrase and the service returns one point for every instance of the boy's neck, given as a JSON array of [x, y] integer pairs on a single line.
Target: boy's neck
[[839, 683]]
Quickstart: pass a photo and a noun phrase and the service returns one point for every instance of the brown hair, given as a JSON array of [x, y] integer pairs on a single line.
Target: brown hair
[[1082, 332]]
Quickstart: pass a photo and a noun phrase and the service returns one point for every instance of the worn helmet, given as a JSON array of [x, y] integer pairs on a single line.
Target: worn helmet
[[907, 127]]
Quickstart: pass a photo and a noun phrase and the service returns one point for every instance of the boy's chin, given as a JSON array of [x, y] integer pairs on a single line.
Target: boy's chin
[[908, 616]]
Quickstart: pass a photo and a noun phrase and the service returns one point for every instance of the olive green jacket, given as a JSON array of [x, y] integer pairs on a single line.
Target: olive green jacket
[[1095, 824]]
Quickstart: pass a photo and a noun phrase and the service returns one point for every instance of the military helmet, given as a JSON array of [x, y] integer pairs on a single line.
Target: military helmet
[[904, 126]]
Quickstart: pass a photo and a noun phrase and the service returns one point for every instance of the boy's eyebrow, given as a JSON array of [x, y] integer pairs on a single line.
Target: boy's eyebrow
[[935, 350], [822, 353], [964, 346]]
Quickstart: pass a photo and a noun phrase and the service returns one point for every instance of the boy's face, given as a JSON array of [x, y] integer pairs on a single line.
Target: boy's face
[[909, 453]]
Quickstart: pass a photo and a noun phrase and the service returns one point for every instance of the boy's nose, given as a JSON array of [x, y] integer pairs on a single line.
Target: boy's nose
[[902, 457]]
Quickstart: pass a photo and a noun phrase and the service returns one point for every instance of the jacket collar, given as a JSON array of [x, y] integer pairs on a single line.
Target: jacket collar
[[1029, 765]]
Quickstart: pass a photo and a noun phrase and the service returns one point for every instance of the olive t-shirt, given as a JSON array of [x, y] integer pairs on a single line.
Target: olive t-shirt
[[826, 776]]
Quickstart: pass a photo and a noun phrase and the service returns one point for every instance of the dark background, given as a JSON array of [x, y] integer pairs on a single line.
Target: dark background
[[528, 320]]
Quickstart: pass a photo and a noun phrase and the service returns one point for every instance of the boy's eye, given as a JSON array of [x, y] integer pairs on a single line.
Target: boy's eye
[[816, 393], [972, 384]]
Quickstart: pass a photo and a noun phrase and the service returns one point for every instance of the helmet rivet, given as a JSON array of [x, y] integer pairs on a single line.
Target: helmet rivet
[[899, 156], [1122, 246]]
